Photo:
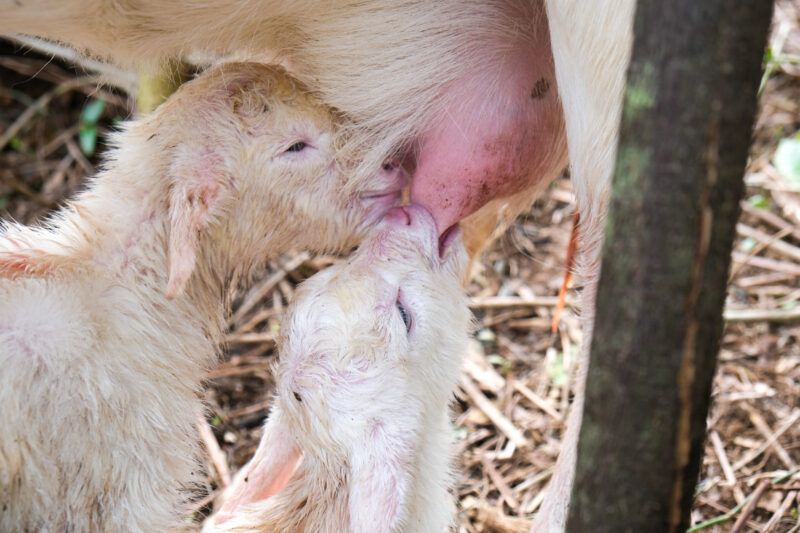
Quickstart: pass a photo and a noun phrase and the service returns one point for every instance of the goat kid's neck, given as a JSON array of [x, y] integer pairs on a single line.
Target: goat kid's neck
[[117, 233]]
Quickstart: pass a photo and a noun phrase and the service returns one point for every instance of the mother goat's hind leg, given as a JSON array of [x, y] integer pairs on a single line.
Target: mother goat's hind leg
[[591, 44]]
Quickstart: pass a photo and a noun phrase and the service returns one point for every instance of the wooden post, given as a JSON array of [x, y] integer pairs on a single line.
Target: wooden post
[[688, 114]]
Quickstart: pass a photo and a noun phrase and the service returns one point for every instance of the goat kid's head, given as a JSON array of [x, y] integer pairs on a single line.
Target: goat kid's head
[[253, 164], [370, 353]]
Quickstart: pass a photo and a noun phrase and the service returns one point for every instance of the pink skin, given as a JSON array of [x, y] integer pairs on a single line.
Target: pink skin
[[492, 141], [380, 200], [417, 215], [398, 215]]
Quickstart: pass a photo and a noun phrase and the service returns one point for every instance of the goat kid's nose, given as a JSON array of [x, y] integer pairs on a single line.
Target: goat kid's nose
[[399, 215]]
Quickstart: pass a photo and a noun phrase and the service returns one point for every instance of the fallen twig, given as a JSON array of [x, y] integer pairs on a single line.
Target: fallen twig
[[722, 457], [771, 241], [493, 413], [497, 302], [40, 104], [250, 338], [752, 501], [771, 219], [500, 483], [775, 436], [260, 291], [763, 428], [768, 264], [780, 512], [214, 452], [719, 519], [23, 188], [761, 315], [763, 279], [112, 75], [538, 401]]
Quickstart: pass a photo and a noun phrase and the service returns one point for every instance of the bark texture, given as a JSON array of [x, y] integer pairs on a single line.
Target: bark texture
[[688, 114]]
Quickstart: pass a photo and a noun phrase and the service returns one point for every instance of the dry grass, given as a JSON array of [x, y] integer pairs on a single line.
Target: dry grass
[[516, 385]]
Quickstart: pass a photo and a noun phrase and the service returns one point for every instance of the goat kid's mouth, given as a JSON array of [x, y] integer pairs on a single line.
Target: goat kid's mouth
[[379, 201], [424, 227]]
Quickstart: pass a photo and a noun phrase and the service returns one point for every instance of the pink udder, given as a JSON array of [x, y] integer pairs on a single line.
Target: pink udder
[[495, 139]]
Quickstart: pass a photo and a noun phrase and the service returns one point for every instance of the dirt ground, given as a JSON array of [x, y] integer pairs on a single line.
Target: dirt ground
[[516, 371]]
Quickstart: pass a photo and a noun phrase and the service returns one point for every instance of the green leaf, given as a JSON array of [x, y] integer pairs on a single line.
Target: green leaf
[[558, 371], [486, 335], [496, 359], [758, 200], [216, 421], [499, 360], [787, 160], [91, 113], [87, 135], [747, 244], [768, 55]]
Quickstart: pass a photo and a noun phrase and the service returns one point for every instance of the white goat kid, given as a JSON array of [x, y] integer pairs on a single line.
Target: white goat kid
[[111, 314], [359, 436]]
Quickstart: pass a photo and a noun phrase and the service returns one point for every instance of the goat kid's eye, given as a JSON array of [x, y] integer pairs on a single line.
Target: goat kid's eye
[[404, 315], [297, 147]]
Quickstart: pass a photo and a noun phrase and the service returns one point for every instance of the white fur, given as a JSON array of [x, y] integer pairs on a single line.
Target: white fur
[[386, 64], [361, 423], [394, 67], [111, 313], [591, 44]]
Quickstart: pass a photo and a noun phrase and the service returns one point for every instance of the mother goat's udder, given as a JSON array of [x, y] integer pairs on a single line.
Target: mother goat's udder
[[491, 142], [454, 179]]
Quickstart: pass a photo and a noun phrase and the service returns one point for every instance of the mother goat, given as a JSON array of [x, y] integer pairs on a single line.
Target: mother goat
[[463, 91]]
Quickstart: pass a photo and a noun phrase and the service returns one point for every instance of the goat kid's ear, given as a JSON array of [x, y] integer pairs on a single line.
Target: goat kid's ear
[[379, 480], [268, 471], [200, 188]]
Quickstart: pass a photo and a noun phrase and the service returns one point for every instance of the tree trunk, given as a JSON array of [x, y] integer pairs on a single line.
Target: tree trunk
[[688, 114]]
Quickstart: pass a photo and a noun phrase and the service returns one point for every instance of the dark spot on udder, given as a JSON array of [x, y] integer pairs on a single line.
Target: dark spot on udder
[[540, 89]]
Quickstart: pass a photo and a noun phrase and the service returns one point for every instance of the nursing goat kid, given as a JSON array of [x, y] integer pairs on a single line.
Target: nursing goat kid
[[111, 313], [359, 436]]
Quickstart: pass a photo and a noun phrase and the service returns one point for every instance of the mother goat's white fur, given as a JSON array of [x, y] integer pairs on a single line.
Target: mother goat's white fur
[[384, 63], [111, 314], [359, 436]]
